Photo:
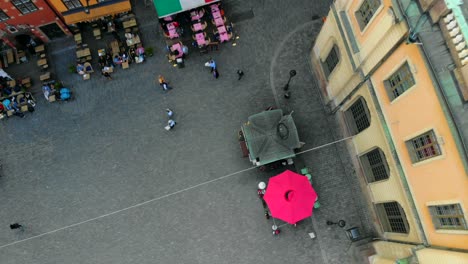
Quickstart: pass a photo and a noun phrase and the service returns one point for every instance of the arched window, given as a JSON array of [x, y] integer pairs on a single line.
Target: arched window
[[392, 217], [358, 116], [375, 166], [331, 61]]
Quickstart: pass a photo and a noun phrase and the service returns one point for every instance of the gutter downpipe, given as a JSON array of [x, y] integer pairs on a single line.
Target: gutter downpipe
[[384, 123], [442, 95]]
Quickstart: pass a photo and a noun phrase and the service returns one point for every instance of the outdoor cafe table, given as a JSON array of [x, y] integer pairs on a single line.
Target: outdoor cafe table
[[173, 33], [221, 29], [219, 21], [170, 26], [41, 62], [39, 48], [115, 47], [197, 26], [214, 8], [216, 14], [83, 53], [129, 23], [196, 15], [178, 47], [200, 39], [133, 41]]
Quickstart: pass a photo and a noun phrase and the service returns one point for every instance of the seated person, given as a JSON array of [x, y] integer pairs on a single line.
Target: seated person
[[80, 69], [7, 90], [128, 35], [140, 50], [102, 61], [2, 108], [17, 88], [46, 90], [117, 60], [173, 55]]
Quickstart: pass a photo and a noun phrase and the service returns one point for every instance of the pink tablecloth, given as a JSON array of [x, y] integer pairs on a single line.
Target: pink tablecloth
[[219, 21], [214, 8], [196, 15], [216, 14], [197, 26], [170, 26], [173, 33], [200, 39], [178, 47], [222, 29], [224, 37]]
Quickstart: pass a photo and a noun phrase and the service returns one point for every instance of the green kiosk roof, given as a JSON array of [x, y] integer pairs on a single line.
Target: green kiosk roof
[[270, 136], [170, 7]]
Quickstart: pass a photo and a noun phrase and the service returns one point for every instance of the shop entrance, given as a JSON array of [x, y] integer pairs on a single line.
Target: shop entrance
[[52, 31]]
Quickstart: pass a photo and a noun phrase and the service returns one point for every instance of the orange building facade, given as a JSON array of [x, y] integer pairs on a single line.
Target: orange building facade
[[33, 18], [75, 11], [375, 73]]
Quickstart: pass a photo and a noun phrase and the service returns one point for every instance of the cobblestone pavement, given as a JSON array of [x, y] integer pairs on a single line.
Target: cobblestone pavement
[[107, 150]]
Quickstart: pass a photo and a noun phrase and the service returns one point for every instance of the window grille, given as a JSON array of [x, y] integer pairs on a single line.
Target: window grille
[[331, 61], [423, 147], [375, 165], [24, 6], [448, 216], [366, 11], [399, 82], [358, 116], [3, 16], [392, 217], [72, 4]]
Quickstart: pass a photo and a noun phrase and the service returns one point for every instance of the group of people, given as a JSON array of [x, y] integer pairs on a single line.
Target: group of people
[[15, 103], [60, 93]]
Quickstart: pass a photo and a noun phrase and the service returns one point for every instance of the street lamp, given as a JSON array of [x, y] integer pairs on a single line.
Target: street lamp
[[292, 73], [340, 223]]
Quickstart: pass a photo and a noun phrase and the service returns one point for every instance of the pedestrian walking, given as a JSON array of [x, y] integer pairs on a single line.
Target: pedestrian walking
[[16, 226], [240, 73], [107, 75], [163, 83], [170, 124], [169, 112]]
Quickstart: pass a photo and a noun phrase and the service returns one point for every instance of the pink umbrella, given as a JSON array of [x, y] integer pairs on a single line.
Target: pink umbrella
[[290, 197]]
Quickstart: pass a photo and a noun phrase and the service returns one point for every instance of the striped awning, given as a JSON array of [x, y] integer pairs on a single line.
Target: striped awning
[[169, 7]]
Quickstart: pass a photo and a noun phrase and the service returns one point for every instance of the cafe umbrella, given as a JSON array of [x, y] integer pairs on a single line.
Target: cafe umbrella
[[290, 197]]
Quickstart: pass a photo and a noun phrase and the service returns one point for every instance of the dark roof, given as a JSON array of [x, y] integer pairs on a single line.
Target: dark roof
[[270, 136]]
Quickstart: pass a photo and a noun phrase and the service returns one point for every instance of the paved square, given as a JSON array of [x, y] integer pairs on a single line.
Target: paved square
[[70, 166]]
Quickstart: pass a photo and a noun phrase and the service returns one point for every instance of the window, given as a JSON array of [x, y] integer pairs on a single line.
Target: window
[[357, 116], [399, 82], [331, 61], [3, 16], [392, 217], [72, 4], [448, 216], [24, 6], [423, 147], [366, 11], [375, 165]]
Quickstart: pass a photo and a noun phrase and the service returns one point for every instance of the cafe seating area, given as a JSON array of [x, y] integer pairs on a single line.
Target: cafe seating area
[[107, 44], [15, 97], [203, 28]]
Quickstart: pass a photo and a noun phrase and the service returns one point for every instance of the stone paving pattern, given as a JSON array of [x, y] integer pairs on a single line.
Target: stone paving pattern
[[107, 150]]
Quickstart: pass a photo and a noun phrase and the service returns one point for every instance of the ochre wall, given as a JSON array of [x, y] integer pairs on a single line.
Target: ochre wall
[[418, 110], [94, 12]]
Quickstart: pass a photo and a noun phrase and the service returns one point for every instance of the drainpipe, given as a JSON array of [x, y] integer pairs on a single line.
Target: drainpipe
[[370, 73], [401, 173]]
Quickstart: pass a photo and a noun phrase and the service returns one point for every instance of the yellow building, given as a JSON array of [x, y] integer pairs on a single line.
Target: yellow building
[[74, 11], [373, 63]]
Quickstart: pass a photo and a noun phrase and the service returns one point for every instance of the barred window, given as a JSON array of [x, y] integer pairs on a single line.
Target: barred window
[[3, 16], [358, 116], [448, 216], [423, 147], [399, 82], [72, 4], [375, 165], [24, 6], [392, 217], [331, 61], [366, 11]]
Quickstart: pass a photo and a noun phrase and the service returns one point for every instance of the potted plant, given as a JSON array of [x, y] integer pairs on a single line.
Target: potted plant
[[71, 68], [149, 51]]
